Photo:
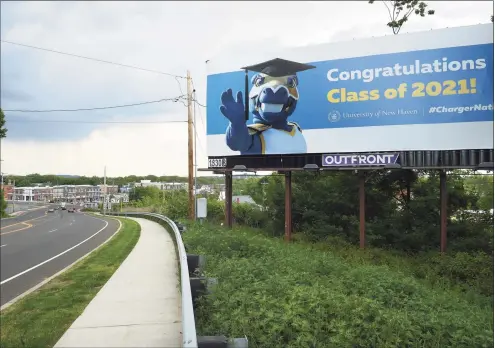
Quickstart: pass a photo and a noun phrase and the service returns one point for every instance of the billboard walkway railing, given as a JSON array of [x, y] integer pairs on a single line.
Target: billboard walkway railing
[[192, 285]]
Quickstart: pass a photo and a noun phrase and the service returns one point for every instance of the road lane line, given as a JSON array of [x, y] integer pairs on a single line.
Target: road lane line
[[39, 285], [17, 223], [19, 229], [53, 230], [30, 225], [54, 257]]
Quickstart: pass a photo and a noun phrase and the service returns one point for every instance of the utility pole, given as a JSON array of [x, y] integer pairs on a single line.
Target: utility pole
[[13, 198], [105, 190], [190, 149]]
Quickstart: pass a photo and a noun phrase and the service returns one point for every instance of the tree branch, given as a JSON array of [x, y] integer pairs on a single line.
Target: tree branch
[[388, 9]]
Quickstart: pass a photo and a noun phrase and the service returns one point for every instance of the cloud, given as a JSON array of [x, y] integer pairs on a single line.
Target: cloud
[[15, 96], [124, 149], [166, 36]]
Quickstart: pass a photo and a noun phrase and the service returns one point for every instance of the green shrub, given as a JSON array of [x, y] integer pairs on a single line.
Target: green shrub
[[475, 270], [249, 215], [216, 210], [294, 295]]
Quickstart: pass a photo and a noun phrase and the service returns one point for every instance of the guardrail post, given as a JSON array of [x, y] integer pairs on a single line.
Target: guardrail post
[[221, 342], [212, 342], [238, 343], [196, 264], [200, 286]]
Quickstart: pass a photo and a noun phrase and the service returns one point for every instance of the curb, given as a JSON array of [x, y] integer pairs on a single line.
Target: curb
[[39, 285], [17, 214]]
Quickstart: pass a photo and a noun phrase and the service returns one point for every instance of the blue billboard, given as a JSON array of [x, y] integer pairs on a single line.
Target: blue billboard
[[432, 95]]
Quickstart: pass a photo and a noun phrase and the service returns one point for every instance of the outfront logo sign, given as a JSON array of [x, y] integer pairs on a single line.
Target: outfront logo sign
[[361, 160]]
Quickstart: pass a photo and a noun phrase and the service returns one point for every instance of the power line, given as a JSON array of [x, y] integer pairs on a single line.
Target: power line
[[72, 121], [180, 89], [201, 118], [176, 99], [94, 59], [195, 100], [197, 141]]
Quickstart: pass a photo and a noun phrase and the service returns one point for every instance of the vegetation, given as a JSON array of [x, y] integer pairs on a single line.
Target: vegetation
[[42, 317], [52, 179], [400, 11], [402, 220], [3, 130], [297, 295], [3, 205]]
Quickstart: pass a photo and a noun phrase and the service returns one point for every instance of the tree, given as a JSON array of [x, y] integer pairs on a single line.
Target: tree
[[3, 205], [3, 130], [482, 187], [400, 11]]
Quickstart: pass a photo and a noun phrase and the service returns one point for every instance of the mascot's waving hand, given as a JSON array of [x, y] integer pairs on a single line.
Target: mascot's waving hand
[[273, 98]]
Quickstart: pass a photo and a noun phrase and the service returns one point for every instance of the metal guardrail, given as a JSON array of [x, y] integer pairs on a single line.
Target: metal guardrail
[[189, 336]]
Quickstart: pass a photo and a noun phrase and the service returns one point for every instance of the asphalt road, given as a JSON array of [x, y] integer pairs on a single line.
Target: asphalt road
[[28, 215], [44, 243]]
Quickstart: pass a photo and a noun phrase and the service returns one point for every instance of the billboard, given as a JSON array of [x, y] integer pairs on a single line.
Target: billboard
[[422, 91]]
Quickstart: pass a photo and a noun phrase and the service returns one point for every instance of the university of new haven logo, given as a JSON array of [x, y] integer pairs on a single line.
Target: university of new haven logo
[[334, 116]]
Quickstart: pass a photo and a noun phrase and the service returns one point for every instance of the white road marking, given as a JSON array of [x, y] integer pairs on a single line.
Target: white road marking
[[54, 257], [1, 246], [53, 230]]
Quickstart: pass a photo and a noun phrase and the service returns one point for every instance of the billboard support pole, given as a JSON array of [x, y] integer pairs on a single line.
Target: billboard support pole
[[443, 211], [362, 209], [288, 206], [228, 199]]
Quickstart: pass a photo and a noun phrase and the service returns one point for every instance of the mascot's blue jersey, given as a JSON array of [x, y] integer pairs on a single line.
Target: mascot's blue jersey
[[277, 141]]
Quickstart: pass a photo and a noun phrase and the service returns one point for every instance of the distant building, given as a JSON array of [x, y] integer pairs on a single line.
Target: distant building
[[7, 191], [166, 186]]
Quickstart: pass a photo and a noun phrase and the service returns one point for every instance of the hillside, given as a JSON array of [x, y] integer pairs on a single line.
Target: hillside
[[298, 295]]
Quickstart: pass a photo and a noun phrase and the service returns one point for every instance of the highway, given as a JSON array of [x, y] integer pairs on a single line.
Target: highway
[[39, 244]]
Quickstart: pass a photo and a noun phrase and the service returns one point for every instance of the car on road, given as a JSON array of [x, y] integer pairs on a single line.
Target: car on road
[[70, 210], [51, 210]]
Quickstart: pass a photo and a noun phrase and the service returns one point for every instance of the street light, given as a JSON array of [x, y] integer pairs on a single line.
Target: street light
[[485, 166], [311, 168], [393, 166], [239, 168]]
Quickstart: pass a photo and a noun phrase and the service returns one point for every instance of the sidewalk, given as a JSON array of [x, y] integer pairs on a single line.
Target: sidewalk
[[139, 306]]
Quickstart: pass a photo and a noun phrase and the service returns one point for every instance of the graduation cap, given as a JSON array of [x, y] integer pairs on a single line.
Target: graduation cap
[[275, 68]]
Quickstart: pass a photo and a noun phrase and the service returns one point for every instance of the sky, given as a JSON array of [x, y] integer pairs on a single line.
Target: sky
[[169, 37]]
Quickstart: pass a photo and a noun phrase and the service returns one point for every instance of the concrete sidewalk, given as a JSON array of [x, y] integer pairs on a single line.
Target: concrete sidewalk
[[140, 305]]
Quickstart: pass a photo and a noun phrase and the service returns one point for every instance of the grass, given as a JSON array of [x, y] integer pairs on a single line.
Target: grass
[[42, 317], [460, 271], [294, 295]]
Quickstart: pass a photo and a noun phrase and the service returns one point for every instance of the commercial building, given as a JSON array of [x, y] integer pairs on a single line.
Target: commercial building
[[166, 186], [60, 193]]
